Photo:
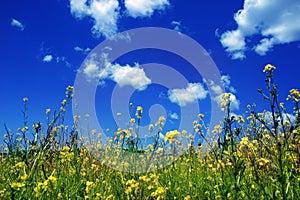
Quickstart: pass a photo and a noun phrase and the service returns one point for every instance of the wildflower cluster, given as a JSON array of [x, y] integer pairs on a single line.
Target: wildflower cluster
[[251, 156]]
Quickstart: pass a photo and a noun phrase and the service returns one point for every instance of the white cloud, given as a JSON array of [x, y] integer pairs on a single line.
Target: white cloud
[[132, 76], [59, 59], [62, 59], [264, 46], [227, 83], [276, 22], [123, 75], [177, 26], [79, 49], [174, 115], [234, 43], [48, 58], [17, 24], [217, 89], [267, 115], [105, 14], [144, 8], [190, 94], [91, 71]]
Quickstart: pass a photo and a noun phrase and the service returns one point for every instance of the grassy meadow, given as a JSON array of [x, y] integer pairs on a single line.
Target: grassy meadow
[[252, 156]]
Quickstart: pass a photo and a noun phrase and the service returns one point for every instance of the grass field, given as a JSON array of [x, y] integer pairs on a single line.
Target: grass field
[[254, 156]]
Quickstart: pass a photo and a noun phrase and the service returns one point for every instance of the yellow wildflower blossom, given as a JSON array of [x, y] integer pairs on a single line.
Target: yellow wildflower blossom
[[269, 68], [171, 135]]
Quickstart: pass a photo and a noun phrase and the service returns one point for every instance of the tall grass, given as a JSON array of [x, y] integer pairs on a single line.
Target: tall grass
[[251, 157]]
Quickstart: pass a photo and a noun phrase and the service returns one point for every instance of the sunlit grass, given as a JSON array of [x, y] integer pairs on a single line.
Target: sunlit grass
[[251, 157]]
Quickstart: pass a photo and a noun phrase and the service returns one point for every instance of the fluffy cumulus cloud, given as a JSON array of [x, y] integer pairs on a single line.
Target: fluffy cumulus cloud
[[105, 14], [48, 58], [132, 76], [190, 94], [126, 75], [275, 22], [144, 8], [17, 24]]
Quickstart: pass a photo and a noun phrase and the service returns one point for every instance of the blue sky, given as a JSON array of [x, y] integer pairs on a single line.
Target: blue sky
[[44, 43]]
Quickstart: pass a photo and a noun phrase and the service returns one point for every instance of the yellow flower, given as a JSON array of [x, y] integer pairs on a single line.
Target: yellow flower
[[64, 102], [24, 177], [132, 185], [132, 120], [294, 95], [76, 118], [244, 141], [139, 111], [225, 96], [48, 110], [52, 179], [151, 127], [263, 161], [128, 134], [150, 146], [20, 165], [269, 68], [88, 184], [70, 88], [201, 116], [17, 185], [162, 119], [139, 108], [25, 128], [110, 197], [217, 129], [295, 92], [170, 136], [25, 99], [144, 178], [59, 196], [241, 119]]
